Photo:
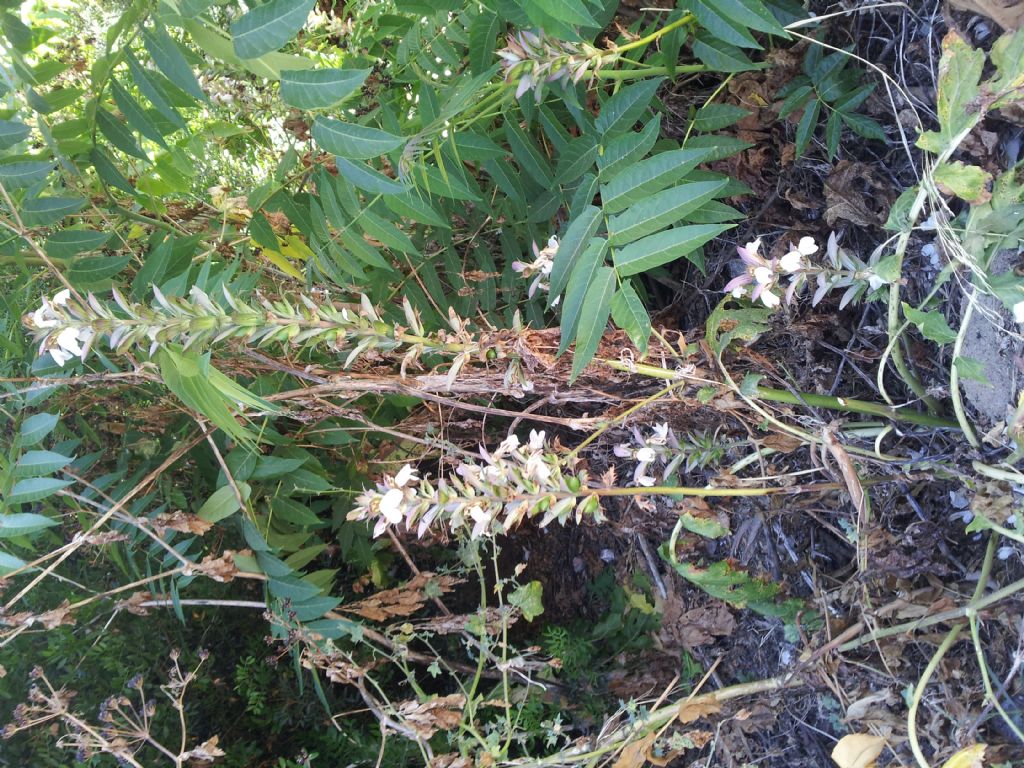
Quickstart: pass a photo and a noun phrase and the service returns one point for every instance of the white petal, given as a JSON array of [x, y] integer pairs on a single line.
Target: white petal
[[60, 356], [623, 451], [646, 455], [792, 261], [405, 474], [645, 480], [770, 299], [763, 275], [67, 340], [807, 246], [391, 506], [1018, 312], [61, 298], [536, 439]]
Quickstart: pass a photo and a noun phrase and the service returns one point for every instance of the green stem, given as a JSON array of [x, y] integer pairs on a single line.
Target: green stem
[[817, 401], [629, 74], [683, 20]]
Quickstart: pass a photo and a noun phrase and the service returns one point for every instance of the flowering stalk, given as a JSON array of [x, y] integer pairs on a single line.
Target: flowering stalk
[[67, 328], [514, 482], [533, 58], [761, 278]]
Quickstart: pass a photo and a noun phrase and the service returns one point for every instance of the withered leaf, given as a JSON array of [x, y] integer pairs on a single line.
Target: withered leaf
[[402, 601], [428, 717]]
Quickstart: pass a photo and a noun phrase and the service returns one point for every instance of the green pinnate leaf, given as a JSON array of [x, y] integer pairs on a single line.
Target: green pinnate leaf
[[269, 26], [353, 141], [320, 88], [661, 248]]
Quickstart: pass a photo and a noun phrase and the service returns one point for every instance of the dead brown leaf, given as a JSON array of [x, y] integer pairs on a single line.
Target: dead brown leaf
[[59, 616], [401, 601], [222, 569], [428, 717], [1008, 14], [634, 754], [854, 193], [694, 709], [180, 521], [451, 760], [206, 752], [134, 603]]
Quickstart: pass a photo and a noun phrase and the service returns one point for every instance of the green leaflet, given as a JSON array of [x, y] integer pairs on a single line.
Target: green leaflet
[[71, 242], [268, 27], [352, 141], [651, 175], [582, 275], [629, 314], [11, 132], [134, 115], [44, 211], [661, 210], [663, 247], [118, 135], [36, 427], [24, 173], [170, 60], [576, 238], [223, 503], [38, 463], [26, 523], [622, 110], [320, 88], [24, 491], [593, 318], [369, 179]]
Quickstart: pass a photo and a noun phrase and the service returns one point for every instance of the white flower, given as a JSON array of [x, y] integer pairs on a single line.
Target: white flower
[[481, 521], [623, 451], [770, 299], [537, 440], [390, 506], [645, 480], [405, 474], [61, 298], [1018, 312], [71, 342], [508, 445], [660, 436], [807, 246], [877, 282], [792, 261], [646, 455], [763, 275]]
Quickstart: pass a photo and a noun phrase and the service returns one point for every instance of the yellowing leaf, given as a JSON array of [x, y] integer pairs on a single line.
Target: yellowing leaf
[[969, 757], [278, 260], [295, 248], [858, 750]]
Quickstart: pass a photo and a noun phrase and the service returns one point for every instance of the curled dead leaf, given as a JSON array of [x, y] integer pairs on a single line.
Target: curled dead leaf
[[402, 601], [135, 603], [180, 521], [694, 709], [428, 717], [858, 750], [206, 752]]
